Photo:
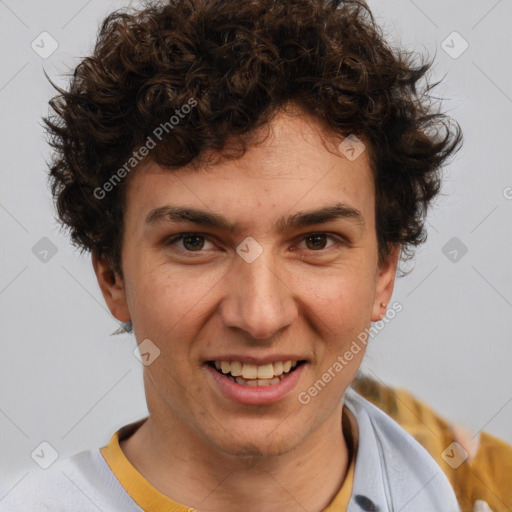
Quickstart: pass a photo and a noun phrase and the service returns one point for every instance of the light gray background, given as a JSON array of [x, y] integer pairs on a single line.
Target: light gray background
[[64, 380]]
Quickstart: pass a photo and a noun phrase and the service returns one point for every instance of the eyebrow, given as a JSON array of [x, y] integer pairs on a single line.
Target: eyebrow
[[336, 211]]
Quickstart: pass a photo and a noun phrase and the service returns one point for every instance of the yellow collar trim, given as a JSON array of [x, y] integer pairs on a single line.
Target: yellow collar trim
[[139, 489]]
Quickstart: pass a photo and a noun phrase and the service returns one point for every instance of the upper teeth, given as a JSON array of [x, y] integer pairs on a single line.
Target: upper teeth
[[252, 371]]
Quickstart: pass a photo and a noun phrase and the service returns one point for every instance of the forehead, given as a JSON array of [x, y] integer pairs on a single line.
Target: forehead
[[295, 164]]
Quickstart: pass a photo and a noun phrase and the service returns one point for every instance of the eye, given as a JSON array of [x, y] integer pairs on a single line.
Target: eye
[[192, 242], [316, 241]]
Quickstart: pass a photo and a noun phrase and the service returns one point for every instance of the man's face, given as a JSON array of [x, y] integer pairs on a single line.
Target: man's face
[[212, 296]]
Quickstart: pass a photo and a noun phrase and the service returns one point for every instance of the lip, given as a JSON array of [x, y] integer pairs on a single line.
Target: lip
[[257, 395], [259, 361]]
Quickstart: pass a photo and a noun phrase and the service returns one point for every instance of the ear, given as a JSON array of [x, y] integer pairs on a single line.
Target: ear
[[385, 283], [112, 288]]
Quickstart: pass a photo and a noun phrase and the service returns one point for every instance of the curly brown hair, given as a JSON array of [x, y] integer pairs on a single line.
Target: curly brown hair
[[237, 62]]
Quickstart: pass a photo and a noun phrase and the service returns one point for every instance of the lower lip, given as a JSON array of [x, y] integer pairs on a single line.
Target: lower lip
[[255, 395]]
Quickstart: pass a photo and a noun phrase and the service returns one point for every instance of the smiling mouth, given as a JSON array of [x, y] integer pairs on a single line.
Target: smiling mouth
[[253, 375]]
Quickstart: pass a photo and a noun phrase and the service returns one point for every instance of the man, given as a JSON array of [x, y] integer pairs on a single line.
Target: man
[[247, 175]]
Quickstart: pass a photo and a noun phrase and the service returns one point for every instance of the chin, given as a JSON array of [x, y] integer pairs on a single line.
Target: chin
[[257, 444]]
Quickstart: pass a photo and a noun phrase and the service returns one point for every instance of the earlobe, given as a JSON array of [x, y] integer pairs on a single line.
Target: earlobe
[[112, 288], [385, 283]]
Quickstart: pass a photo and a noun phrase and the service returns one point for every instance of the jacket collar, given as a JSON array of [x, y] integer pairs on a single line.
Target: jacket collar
[[393, 472]]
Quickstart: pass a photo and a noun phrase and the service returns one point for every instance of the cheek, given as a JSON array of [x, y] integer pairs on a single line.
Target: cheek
[[165, 304], [342, 301]]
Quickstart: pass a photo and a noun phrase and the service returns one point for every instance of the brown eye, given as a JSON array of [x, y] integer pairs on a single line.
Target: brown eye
[[317, 241], [190, 242], [193, 242]]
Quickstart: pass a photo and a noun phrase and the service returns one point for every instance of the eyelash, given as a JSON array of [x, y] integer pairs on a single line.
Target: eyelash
[[176, 238]]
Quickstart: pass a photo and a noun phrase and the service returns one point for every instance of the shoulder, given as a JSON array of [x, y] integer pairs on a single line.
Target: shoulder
[[82, 483]]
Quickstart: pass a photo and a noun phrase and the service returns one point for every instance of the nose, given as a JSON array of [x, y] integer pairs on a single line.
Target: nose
[[259, 298]]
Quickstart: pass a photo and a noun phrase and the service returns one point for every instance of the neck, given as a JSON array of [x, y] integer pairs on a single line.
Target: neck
[[182, 466]]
